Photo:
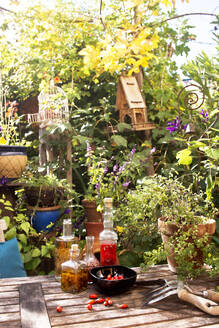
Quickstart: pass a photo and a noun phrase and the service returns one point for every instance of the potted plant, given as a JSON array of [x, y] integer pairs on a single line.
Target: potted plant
[[109, 177], [45, 196], [185, 220], [13, 158]]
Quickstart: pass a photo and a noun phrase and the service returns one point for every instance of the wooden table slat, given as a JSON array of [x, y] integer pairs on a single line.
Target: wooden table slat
[[33, 309]]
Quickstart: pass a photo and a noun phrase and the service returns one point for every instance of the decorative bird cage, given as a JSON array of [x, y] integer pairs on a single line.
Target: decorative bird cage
[[53, 107]]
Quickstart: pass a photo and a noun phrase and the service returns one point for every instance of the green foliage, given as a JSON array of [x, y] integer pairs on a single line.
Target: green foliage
[[37, 250], [136, 220]]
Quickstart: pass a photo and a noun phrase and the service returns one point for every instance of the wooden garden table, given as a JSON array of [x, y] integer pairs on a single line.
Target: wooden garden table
[[32, 301]]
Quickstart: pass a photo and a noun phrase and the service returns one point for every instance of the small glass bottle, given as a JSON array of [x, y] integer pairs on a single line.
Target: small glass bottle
[[108, 237], [90, 259], [62, 247], [74, 276]]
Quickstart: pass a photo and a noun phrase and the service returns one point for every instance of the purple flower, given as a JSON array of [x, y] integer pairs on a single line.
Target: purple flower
[[126, 184], [174, 125], [205, 115], [3, 180], [122, 168], [152, 151], [67, 211], [115, 167], [98, 186], [133, 151], [0, 128], [105, 170]]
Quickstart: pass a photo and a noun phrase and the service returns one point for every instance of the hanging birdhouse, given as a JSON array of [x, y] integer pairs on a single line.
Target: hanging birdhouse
[[131, 105], [53, 107]]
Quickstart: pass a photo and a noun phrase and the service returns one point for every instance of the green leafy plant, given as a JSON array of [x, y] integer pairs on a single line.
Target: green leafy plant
[[110, 177], [160, 197], [37, 250]]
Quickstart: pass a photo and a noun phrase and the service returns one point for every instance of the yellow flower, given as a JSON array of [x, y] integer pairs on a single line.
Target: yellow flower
[[119, 229]]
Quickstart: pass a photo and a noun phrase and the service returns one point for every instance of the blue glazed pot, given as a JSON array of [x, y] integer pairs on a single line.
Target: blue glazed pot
[[45, 216]]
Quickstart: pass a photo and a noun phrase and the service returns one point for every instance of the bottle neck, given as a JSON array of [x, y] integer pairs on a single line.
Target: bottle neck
[[67, 228], [89, 244], [108, 218]]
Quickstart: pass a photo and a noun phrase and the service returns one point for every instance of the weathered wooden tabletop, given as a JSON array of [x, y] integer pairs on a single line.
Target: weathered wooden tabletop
[[170, 312]]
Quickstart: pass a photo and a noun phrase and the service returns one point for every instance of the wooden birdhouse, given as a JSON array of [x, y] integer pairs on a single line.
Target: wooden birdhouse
[[131, 105], [53, 107]]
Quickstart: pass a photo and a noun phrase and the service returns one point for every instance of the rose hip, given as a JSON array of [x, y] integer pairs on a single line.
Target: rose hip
[[124, 306], [59, 309]]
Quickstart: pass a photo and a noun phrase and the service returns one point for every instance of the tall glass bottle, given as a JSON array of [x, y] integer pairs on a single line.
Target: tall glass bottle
[[90, 259], [108, 237], [74, 276], [62, 247]]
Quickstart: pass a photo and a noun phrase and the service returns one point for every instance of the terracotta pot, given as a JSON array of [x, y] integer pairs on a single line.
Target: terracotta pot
[[168, 229], [91, 213], [94, 229]]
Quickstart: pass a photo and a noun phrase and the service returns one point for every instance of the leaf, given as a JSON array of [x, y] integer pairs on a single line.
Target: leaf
[[119, 140], [23, 238], [213, 153], [33, 264], [27, 257], [44, 250], [36, 252], [11, 233], [25, 226], [184, 157], [122, 126]]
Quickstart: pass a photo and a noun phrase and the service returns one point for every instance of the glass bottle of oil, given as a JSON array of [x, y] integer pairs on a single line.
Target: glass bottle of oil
[[62, 247], [90, 259], [74, 276]]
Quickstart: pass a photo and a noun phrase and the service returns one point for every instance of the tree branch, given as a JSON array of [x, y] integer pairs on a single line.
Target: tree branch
[[189, 14]]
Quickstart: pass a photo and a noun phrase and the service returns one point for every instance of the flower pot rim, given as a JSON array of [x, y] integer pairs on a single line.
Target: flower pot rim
[[44, 209]]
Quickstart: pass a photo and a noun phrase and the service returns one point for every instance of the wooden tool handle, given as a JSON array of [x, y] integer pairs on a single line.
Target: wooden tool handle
[[203, 304], [211, 295]]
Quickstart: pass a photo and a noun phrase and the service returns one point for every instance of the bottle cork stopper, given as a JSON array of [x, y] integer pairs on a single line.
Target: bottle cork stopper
[[108, 202], [74, 247]]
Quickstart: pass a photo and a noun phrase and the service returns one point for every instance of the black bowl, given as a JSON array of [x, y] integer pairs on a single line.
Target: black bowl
[[110, 287]]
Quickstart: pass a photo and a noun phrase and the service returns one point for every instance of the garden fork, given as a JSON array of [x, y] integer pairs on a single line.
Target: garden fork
[[204, 300]]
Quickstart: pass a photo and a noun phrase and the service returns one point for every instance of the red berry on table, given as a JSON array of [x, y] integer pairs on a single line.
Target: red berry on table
[[92, 302], [110, 302], [124, 306], [59, 309], [109, 277], [89, 307], [100, 300], [105, 303], [93, 296]]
